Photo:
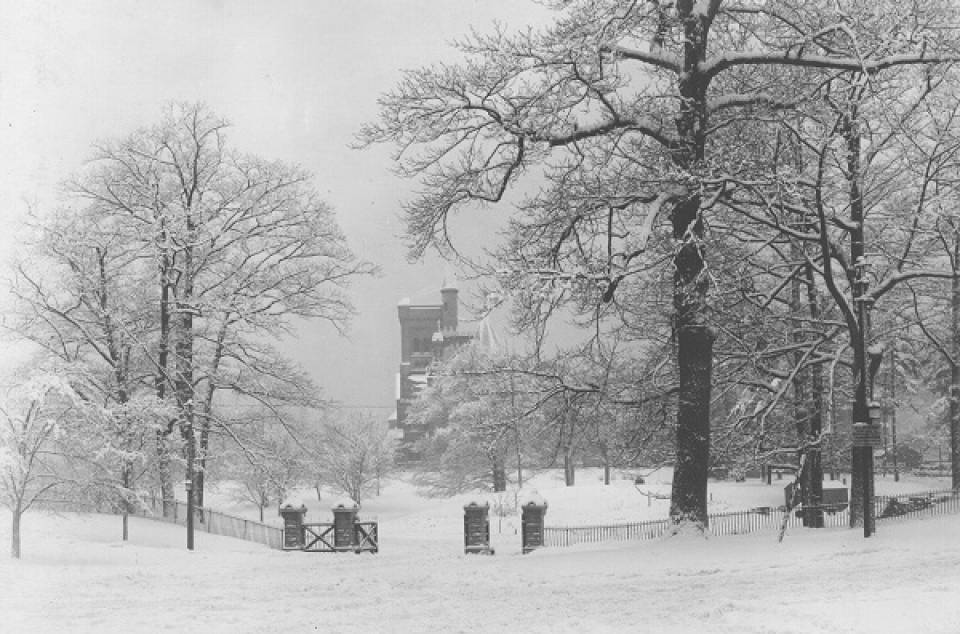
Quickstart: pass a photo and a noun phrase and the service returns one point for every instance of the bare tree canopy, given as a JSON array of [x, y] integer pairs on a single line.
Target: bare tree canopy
[[634, 127]]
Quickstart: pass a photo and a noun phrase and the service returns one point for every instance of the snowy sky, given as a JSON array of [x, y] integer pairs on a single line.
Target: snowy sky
[[296, 78]]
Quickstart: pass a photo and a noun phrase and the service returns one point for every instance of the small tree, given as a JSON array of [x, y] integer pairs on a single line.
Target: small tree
[[114, 450], [256, 487], [31, 422], [353, 454], [266, 457]]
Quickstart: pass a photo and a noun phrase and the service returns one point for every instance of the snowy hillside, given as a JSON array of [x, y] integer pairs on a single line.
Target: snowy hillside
[[77, 576]]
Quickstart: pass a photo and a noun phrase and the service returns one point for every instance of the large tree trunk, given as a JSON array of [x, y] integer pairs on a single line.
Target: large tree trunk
[[688, 498]]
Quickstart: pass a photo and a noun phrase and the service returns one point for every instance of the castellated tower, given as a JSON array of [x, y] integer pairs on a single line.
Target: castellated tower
[[429, 333], [448, 294]]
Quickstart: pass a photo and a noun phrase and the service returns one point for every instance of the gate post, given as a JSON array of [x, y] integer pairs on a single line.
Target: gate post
[[344, 535], [476, 529], [293, 531], [532, 524]]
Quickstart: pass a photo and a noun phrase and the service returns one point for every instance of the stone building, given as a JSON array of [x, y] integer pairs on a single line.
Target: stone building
[[429, 333]]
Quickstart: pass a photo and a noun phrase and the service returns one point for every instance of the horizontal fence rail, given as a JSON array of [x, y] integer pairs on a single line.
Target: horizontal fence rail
[[759, 519]]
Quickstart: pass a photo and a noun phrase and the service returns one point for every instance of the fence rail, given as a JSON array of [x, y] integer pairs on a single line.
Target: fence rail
[[572, 535], [759, 519], [206, 520], [216, 523], [940, 502]]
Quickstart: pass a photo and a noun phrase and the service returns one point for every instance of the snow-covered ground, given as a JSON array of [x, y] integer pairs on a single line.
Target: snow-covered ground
[[77, 576]]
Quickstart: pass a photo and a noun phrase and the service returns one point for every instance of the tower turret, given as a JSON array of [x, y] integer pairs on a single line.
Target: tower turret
[[448, 293]]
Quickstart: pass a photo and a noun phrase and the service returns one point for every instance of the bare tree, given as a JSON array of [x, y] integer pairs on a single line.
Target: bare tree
[[212, 254], [352, 453], [933, 151], [626, 111], [34, 415], [80, 299], [267, 460]]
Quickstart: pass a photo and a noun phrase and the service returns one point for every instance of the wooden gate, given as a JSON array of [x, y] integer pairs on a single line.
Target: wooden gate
[[322, 537]]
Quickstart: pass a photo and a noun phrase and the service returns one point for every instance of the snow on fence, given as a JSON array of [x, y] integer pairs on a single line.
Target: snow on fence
[[758, 519], [767, 518], [206, 520], [939, 502], [571, 535], [216, 523]]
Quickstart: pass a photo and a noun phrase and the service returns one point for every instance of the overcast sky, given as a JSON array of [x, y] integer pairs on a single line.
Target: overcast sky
[[295, 78]]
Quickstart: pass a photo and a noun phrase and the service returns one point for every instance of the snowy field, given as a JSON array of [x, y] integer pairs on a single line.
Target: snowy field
[[77, 576]]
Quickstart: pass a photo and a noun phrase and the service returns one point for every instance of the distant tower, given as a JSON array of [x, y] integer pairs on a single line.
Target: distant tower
[[448, 294], [429, 333]]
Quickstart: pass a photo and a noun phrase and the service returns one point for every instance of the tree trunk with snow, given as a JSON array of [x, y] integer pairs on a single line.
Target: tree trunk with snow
[[955, 371], [688, 496]]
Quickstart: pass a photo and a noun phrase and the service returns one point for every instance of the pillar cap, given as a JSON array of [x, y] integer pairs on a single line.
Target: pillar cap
[[534, 499]]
